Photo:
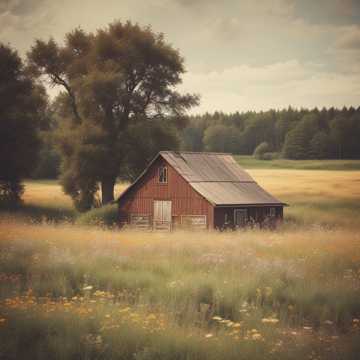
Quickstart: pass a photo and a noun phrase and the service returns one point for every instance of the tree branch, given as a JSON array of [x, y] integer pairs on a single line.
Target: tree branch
[[60, 81]]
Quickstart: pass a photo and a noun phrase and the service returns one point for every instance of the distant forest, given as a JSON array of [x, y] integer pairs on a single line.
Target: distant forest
[[292, 134]]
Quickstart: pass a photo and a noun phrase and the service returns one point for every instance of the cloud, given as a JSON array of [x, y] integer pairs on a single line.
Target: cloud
[[344, 51], [193, 3], [239, 54], [270, 7], [335, 12], [274, 86], [23, 15], [20, 7], [349, 39], [22, 20]]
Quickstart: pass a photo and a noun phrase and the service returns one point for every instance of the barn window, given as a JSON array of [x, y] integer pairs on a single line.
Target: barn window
[[240, 217], [272, 212], [163, 175]]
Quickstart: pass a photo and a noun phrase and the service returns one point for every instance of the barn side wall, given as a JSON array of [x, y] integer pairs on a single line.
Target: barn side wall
[[185, 200]]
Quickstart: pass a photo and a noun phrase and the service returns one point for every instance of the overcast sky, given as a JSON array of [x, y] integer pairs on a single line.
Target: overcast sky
[[239, 54]]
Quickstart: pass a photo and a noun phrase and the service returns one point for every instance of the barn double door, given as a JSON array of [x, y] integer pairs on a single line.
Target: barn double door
[[162, 215]]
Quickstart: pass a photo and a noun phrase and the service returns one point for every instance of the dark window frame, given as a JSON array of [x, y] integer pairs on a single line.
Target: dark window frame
[[246, 218], [163, 175]]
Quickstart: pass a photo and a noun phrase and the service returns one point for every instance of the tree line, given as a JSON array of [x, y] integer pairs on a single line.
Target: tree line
[[289, 133]]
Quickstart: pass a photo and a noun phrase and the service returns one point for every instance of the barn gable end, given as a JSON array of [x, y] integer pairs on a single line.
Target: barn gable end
[[137, 203]]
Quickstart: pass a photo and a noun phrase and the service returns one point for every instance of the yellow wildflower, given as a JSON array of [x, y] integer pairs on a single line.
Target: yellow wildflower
[[124, 310], [270, 320], [256, 336]]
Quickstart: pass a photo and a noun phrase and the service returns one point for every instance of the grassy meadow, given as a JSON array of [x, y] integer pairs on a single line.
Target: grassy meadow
[[70, 291], [249, 162]]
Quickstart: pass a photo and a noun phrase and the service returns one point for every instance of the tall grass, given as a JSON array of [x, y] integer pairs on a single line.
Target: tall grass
[[239, 295], [44, 201], [79, 292], [104, 216]]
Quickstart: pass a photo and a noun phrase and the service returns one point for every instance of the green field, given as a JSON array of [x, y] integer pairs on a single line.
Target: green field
[[249, 162], [88, 292]]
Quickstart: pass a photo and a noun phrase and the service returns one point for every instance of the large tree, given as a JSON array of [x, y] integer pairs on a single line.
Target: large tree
[[22, 105], [114, 80]]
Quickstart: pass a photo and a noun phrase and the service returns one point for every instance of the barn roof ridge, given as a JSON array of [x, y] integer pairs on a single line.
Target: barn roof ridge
[[195, 152], [221, 181]]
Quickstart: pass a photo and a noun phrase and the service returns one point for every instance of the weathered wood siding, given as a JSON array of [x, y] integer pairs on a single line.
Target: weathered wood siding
[[185, 200]]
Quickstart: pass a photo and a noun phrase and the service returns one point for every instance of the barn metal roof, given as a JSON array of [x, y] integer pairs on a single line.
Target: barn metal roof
[[197, 167], [219, 178], [234, 193]]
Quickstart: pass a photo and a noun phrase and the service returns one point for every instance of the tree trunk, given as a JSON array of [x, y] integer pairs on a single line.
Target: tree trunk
[[107, 190]]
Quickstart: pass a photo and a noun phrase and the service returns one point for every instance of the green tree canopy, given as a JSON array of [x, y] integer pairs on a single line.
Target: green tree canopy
[[341, 130], [117, 78], [341, 127], [192, 138], [320, 146], [261, 150], [21, 111], [221, 138], [297, 141]]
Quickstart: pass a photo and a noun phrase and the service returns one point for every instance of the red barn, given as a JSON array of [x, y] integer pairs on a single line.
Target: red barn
[[200, 190]]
